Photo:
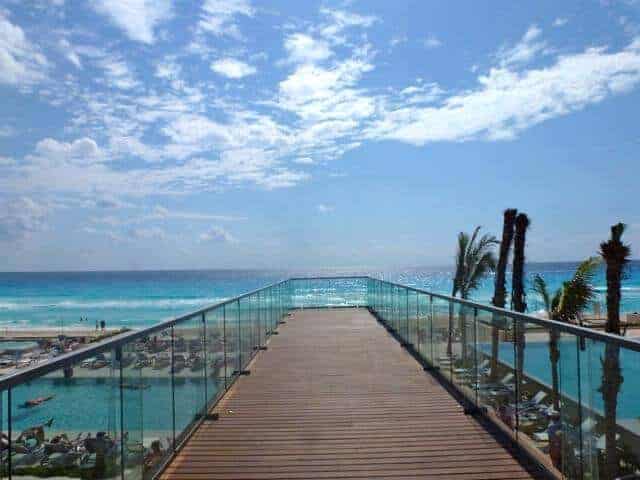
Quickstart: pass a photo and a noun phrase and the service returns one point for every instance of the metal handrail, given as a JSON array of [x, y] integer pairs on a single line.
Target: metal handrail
[[577, 330]]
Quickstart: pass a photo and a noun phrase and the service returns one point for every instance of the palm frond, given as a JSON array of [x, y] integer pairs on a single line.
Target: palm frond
[[540, 287], [461, 255], [579, 291], [613, 249], [474, 259]]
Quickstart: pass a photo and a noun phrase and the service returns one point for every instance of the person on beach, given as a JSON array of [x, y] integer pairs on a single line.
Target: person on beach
[[554, 432]]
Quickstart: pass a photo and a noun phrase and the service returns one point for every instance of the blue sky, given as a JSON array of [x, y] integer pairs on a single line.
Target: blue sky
[[220, 134]]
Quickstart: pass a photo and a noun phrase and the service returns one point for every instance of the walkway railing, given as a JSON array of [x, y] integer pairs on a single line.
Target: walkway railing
[[121, 408], [540, 380]]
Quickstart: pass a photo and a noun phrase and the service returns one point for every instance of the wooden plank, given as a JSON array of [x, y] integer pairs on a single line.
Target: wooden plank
[[335, 396]]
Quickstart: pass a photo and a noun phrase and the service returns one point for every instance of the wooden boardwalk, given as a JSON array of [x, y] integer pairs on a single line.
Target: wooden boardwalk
[[335, 396]]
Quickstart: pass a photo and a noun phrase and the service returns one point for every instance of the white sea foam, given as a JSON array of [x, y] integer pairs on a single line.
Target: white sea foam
[[161, 303]]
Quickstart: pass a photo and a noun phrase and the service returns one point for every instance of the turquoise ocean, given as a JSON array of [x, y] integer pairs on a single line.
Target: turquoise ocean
[[137, 299]]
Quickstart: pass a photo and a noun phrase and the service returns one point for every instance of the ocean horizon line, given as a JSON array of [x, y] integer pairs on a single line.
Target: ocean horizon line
[[354, 270]]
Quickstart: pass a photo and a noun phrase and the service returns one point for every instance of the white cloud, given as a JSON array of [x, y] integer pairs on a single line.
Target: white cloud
[[69, 52], [20, 62], [560, 22], [422, 93], [196, 130], [323, 208], [398, 39], [117, 73], [219, 16], [507, 102], [524, 51], [432, 42], [304, 161], [81, 151], [20, 217], [217, 234], [150, 233], [302, 48], [341, 20], [163, 213], [138, 18], [168, 69], [316, 93], [232, 68]]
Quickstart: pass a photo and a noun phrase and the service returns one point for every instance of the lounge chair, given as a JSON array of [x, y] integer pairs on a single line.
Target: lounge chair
[[532, 403], [504, 384], [484, 364]]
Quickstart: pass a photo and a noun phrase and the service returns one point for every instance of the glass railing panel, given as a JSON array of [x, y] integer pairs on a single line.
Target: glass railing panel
[[463, 350], [134, 452], [4, 435], [188, 372], [424, 332], [215, 353], [403, 314], [395, 309], [566, 430], [412, 318], [388, 304], [533, 382], [496, 390], [267, 317], [66, 423], [266, 313], [233, 355], [246, 330], [442, 335], [610, 385], [153, 361], [589, 377], [256, 314]]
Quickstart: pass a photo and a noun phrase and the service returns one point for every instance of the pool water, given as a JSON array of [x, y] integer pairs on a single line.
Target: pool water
[[580, 379]]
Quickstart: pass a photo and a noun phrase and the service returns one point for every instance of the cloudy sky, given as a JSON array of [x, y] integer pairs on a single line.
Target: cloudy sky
[[237, 133]]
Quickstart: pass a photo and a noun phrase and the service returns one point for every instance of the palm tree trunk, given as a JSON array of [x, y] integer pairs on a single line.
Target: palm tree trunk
[[495, 348], [462, 325], [611, 382], [517, 285], [616, 255], [554, 357], [500, 289], [612, 376], [450, 331]]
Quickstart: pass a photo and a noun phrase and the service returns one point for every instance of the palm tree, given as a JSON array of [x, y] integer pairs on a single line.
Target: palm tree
[[518, 295], [567, 305], [616, 256], [474, 260], [500, 289]]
